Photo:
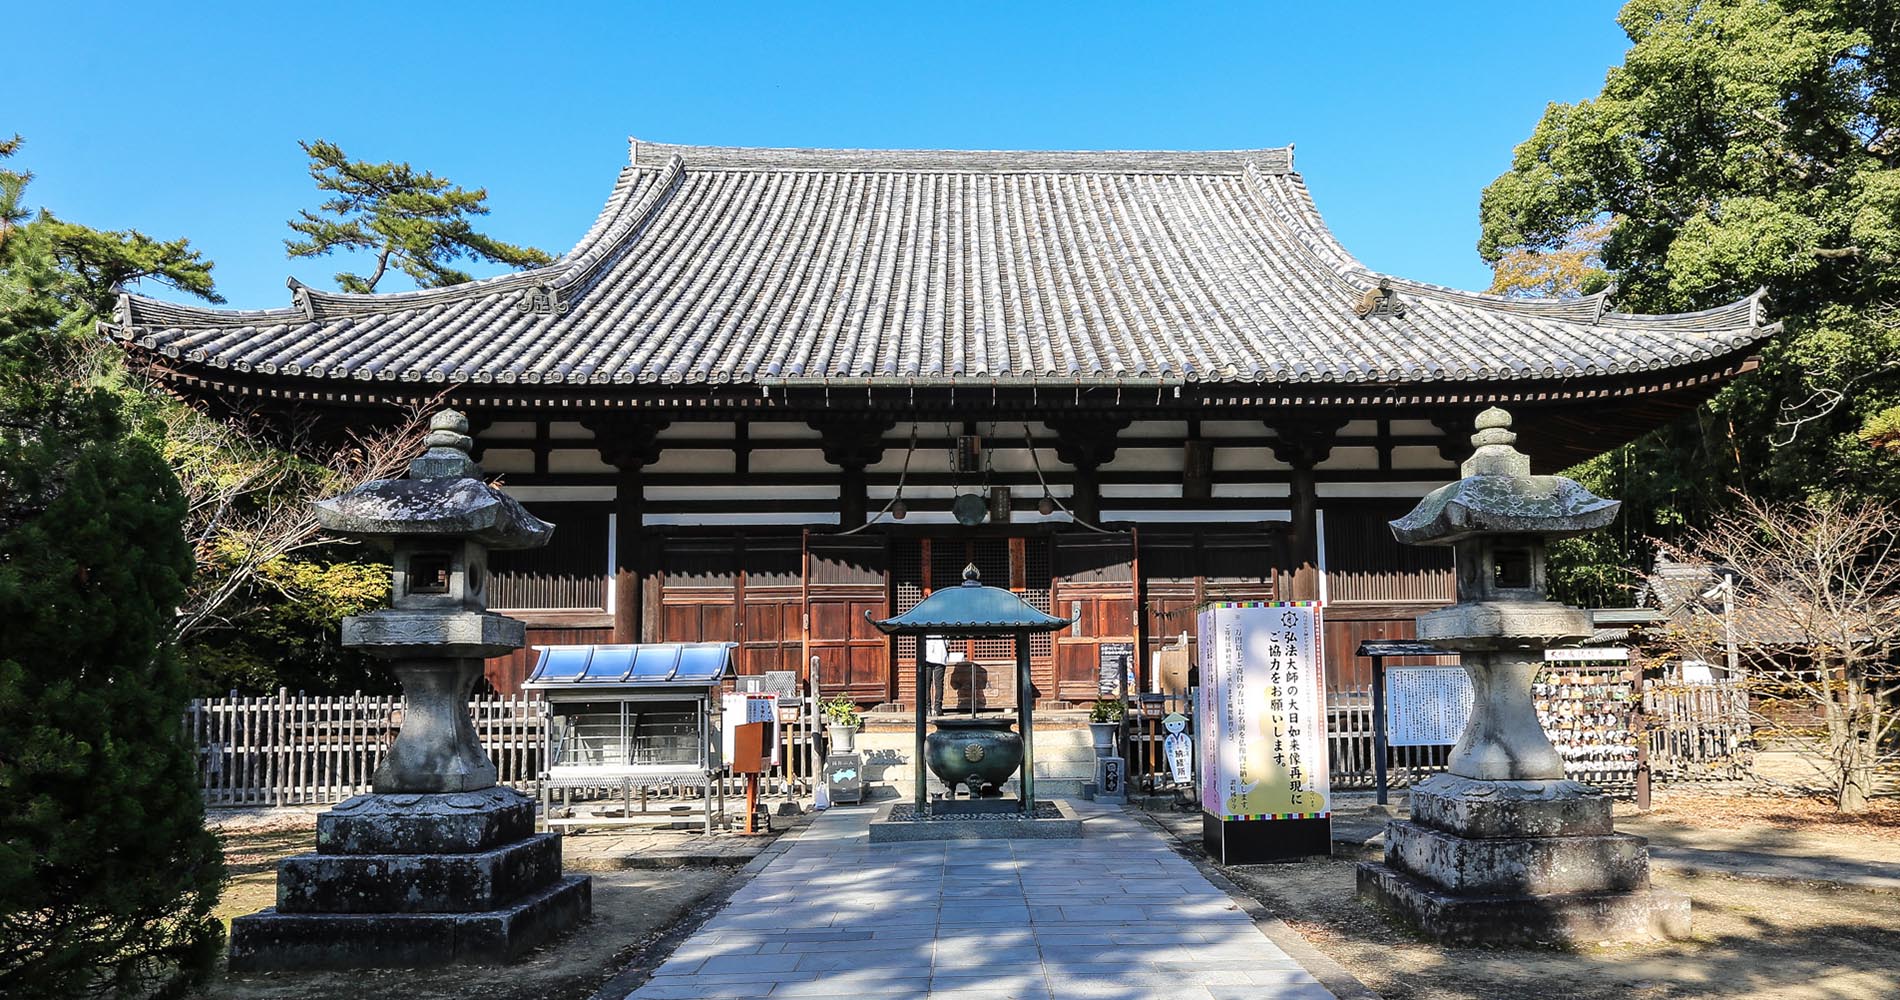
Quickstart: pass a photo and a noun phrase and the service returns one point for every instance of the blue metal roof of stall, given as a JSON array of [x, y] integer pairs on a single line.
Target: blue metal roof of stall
[[697, 665], [971, 609]]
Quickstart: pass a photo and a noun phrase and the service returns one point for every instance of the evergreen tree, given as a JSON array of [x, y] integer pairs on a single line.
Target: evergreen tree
[[411, 220], [1742, 143], [107, 874]]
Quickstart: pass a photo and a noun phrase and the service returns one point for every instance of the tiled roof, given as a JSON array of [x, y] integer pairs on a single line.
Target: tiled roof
[[780, 266]]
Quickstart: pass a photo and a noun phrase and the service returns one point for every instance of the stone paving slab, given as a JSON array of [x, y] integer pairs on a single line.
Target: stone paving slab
[[1116, 915]]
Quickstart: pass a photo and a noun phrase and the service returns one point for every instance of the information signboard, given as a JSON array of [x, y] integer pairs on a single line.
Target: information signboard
[[1262, 721], [740, 707], [1426, 706], [1116, 667]]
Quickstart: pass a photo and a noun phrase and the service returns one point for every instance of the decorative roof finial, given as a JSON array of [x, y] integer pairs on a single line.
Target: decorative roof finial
[[448, 445], [1495, 454], [971, 577]]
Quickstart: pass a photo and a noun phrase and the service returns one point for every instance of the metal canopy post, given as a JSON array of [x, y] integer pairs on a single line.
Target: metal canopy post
[[1025, 696], [1378, 726], [1378, 650], [922, 723]]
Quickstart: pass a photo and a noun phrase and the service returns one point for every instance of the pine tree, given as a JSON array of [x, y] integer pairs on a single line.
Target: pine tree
[[107, 874], [410, 220]]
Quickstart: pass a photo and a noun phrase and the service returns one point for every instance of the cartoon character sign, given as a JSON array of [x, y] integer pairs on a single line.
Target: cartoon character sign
[[1178, 748]]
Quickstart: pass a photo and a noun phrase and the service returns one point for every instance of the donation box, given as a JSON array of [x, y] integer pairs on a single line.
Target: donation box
[[1261, 720]]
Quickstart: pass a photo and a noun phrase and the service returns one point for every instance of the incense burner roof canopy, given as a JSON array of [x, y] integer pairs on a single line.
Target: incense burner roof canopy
[[794, 267], [971, 609]]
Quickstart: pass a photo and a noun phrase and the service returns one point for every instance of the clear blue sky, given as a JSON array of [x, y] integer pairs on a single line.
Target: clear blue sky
[[183, 120]]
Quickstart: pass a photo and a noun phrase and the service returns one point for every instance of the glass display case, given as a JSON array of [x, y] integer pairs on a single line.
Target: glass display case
[[631, 718]]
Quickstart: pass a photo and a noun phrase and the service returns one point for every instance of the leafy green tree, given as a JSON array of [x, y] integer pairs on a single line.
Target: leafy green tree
[[107, 874], [1741, 144], [410, 220]]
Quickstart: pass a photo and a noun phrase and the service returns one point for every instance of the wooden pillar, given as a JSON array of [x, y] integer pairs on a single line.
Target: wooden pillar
[[1304, 442], [629, 445], [1025, 712], [1087, 444], [851, 444], [629, 505]]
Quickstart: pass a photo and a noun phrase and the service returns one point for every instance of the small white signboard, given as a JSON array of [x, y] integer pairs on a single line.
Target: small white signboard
[[741, 707], [1426, 706], [1587, 654]]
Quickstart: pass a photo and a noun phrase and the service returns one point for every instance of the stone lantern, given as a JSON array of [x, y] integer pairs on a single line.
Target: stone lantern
[[437, 864], [1503, 847]]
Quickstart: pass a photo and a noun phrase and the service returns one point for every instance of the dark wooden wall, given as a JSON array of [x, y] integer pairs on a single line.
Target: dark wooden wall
[[1375, 586], [786, 595], [569, 572]]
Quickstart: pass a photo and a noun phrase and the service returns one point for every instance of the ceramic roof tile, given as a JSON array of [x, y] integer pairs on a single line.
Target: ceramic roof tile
[[715, 264]]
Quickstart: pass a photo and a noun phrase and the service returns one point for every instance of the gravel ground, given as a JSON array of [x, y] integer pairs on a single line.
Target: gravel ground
[[632, 909], [1751, 939]]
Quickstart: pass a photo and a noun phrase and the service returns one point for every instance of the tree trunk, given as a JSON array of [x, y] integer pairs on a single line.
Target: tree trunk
[[1857, 772]]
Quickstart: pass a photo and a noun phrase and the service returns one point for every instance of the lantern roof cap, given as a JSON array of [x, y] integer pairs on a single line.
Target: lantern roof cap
[[442, 497], [1499, 496], [973, 608]]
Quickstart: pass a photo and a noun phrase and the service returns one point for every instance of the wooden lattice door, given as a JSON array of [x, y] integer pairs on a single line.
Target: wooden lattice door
[[846, 580]]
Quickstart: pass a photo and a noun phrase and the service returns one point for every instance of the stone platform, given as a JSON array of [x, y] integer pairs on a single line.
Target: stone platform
[[273, 939], [1526, 919], [978, 819], [1518, 862], [410, 880]]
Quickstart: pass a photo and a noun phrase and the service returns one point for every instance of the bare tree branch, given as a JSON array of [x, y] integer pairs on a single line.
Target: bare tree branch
[[1814, 621]]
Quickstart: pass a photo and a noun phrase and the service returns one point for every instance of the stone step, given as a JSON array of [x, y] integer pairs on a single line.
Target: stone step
[[1464, 866], [274, 940], [418, 883], [1559, 918]]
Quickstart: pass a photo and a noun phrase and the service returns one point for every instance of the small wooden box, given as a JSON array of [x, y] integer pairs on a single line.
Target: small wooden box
[[748, 748]]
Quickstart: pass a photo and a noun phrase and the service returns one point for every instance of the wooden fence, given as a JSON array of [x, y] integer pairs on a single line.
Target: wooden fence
[[1695, 731], [1349, 744], [1699, 731], [287, 749], [292, 749]]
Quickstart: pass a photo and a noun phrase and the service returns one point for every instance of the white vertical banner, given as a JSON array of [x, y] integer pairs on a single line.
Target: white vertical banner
[[1263, 712]]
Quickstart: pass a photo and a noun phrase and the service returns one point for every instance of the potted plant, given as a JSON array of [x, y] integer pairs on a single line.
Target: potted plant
[[841, 724], [1105, 722]]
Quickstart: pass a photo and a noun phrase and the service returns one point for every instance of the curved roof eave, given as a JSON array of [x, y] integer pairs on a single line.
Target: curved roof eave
[[1254, 291]]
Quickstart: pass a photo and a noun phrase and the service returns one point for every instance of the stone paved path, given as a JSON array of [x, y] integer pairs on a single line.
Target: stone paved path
[[1113, 916]]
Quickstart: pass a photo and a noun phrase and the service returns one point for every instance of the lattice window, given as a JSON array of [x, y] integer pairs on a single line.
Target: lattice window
[[700, 562], [774, 562], [1036, 590], [991, 556], [907, 579]]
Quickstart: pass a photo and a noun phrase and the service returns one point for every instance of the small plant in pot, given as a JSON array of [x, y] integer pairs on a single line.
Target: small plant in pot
[[842, 722], [1105, 722]]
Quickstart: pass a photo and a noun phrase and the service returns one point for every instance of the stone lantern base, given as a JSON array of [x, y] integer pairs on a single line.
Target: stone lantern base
[[402, 881], [1495, 862]]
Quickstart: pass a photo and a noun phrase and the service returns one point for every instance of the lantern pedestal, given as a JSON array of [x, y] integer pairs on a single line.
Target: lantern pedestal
[[400, 881], [1498, 862]]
